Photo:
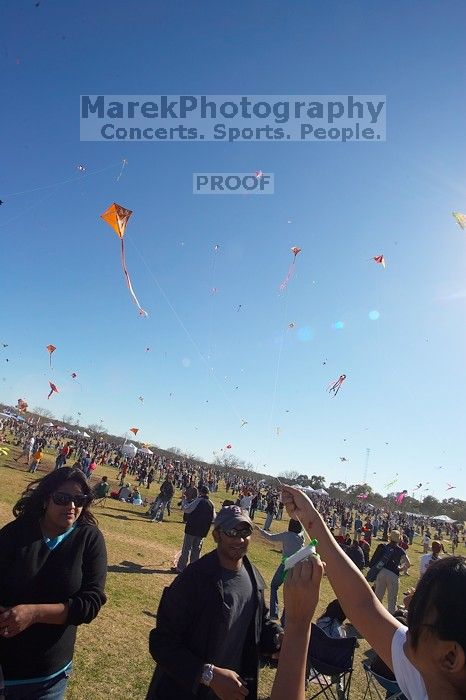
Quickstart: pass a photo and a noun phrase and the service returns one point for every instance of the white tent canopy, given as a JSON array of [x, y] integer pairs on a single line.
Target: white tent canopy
[[48, 425], [444, 519], [86, 434], [145, 451], [322, 492]]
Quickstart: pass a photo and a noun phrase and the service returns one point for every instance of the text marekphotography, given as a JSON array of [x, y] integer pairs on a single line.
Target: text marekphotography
[[234, 118]]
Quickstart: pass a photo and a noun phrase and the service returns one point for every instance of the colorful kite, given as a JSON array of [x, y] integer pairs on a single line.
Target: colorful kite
[[362, 496], [460, 219], [295, 250], [228, 447], [379, 259], [117, 217], [390, 483], [335, 387], [53, 389], [135, 431], [22, 406], [51, 349], [259, 174]]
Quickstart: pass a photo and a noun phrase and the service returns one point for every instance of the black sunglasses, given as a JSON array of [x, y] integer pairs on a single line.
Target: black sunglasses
[[244, 532], [64, 499]]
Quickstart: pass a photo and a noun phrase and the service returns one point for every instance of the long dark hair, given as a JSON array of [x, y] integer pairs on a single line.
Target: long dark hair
[[440, 600], [32, 502]]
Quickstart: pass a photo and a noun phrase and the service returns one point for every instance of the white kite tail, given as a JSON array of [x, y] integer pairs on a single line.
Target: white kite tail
[[128, 280]]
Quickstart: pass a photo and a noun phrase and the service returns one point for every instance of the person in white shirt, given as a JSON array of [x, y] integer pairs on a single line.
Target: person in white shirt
[[428, 559], [428, 657]]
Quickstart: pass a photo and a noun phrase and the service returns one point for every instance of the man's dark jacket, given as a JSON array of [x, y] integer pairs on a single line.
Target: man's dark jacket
[[200, 519], [191, 614]]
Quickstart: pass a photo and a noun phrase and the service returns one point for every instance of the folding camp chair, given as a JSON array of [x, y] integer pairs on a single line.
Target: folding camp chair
[[330, 664], [374, 680]]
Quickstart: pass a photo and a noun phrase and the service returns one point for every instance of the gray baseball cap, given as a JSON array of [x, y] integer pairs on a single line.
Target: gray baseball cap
[[231, 516]]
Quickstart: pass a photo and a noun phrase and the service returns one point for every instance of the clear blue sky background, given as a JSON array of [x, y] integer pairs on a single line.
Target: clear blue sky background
[[61, 280]]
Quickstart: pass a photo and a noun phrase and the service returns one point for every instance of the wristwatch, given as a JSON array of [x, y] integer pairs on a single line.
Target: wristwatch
[[207, 674]]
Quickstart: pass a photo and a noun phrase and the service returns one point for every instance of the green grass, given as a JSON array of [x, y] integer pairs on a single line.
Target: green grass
[[112, 657]]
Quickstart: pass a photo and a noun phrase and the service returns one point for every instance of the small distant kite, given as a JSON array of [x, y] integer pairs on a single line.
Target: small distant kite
[[117, 217], [147, 349], [81, 168], [1, 202], [335, 387], [216, 247], [343, 459], [450, 487], [291, 325], [73, 375], [390, 483], [277, 430], [258, 174], [123, 164], [379, 259], [228, 447], [51, 349], [53, 389], [214, 290], [141, 399], [240, 306], [460, 219], [135, 431], [243, 423], [4, 345], [418, 487], [295, 250]]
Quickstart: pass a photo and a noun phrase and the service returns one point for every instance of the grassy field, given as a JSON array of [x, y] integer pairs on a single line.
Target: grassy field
[[112, 657]]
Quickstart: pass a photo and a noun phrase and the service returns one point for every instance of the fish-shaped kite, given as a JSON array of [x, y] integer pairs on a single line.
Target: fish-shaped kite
[[53, 389], [117, 217]]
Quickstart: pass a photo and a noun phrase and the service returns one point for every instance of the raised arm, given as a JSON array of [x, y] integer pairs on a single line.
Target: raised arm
[[352, 590], [301, 592]]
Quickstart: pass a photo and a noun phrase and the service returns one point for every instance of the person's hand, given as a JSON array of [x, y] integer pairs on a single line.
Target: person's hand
[[16, 619], [301, 590], [299, 506], [227, 685]]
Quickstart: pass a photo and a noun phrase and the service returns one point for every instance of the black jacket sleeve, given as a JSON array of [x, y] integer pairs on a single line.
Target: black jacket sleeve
[[86, 603], [377, 555], [166, 643]]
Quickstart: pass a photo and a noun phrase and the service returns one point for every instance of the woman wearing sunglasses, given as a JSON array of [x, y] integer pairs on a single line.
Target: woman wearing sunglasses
[[53, 565]]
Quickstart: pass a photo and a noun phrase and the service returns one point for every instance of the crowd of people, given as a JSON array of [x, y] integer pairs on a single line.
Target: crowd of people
[[213, 624]]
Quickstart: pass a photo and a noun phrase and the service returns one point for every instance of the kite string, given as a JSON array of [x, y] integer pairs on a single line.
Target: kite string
[[62, 182], [186, 331]]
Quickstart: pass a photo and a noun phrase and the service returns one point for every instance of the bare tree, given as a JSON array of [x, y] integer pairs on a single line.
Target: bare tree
[[290, 475], [67, 419], [44, 412], [97, 428]]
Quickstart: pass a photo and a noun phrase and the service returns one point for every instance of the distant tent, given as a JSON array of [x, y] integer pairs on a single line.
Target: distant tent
[[322, 492], [145, 451], [86, 434], [444, 519]]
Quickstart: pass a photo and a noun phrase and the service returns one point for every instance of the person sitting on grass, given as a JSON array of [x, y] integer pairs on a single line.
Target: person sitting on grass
[[102, 488]]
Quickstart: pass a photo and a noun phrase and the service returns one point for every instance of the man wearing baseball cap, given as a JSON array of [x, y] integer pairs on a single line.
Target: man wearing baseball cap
[[212, 622]]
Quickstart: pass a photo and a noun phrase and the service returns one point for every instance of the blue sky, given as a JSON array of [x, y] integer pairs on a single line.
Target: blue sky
[[62, 283]]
